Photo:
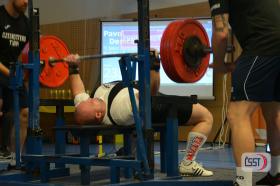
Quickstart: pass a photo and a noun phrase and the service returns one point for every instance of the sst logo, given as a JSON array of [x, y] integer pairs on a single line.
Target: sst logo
[[256, 162]]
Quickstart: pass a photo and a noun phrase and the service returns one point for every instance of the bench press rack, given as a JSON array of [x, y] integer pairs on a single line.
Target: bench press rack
[[168, 143]]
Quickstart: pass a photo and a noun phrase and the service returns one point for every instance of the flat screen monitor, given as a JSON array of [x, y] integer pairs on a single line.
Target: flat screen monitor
[[120, 36]]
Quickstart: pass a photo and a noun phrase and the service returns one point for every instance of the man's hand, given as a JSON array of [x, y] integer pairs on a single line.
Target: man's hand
[[73, 63], [72, 59], [223, 67]]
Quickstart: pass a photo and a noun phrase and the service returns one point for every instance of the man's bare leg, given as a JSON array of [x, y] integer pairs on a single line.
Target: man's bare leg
[[239, 118], [23, 130]]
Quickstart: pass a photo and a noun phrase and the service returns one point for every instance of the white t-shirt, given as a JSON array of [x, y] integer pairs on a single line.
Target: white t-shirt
[[121, 110]]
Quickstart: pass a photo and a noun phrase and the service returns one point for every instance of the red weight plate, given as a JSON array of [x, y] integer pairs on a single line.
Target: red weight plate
[[166, 59], [172, 63], [172, 38], [164, 48], [172, 44], [188, 29], [163, 54], [51, 75]]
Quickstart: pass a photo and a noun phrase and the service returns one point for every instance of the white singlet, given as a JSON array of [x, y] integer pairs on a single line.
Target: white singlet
[[121, 110]]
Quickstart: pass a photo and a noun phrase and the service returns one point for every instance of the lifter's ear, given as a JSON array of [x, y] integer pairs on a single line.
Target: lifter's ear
[[98, 115]]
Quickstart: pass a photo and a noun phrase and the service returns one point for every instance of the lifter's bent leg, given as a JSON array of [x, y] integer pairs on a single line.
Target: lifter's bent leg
[[203, 121]]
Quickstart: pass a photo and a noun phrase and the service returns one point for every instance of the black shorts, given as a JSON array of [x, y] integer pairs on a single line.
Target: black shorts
[[8, 99], [160, 112], [256, 78]]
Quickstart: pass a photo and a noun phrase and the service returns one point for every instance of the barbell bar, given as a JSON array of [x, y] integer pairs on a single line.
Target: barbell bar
[[90, 57], [98, 56]]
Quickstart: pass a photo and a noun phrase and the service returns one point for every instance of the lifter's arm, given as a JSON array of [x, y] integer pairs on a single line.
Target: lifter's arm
[[76, 83]]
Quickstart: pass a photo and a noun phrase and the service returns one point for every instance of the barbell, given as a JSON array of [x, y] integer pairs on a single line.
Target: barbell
[[184, 52]]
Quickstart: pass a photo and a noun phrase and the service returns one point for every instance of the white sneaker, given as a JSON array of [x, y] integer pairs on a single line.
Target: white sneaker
[[192, 168]]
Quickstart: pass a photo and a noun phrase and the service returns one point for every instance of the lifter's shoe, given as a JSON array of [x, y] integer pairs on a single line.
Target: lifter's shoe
[[235, 184], [192, 168], [269, 180]]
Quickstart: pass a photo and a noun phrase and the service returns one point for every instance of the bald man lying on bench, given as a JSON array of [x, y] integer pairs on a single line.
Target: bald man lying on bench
[[96, 111]]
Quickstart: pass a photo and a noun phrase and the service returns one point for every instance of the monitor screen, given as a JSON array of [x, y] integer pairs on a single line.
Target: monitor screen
[[119, 37]]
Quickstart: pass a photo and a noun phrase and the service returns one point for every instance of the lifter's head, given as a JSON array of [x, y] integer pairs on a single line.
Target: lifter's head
[[91, 111]]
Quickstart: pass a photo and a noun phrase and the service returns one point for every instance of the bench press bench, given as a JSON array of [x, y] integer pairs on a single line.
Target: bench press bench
[[168, 143]]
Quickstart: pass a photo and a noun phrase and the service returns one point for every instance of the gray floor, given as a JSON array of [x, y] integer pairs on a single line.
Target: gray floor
[[219, 160]]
